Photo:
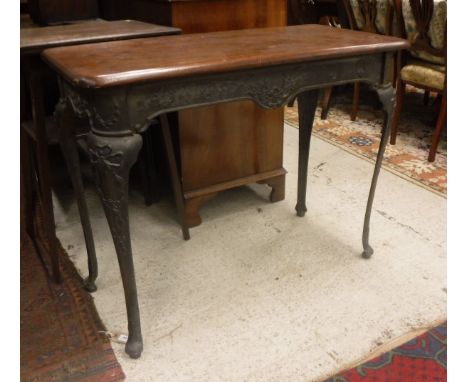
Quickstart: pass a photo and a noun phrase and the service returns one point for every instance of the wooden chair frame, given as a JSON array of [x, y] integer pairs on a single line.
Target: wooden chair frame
[[422, 12]]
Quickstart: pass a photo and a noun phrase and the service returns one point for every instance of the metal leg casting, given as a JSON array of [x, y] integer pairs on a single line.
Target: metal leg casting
[[65, 118], [307, 103], [387, 97], [112, 158]]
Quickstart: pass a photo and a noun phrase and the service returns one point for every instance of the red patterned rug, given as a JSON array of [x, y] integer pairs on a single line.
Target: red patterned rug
[[408, 158], [423, 359], [61, 333]]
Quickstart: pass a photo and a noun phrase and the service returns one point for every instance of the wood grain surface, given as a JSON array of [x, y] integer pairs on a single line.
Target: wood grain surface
[[152, 59], [37, 39]]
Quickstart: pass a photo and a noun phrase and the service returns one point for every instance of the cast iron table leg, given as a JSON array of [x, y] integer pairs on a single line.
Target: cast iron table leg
[[112, 158], [307, 103], [65, 119], [386, 95], [174, 174]]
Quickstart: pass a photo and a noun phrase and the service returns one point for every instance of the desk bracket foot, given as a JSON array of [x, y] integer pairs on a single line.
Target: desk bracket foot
[[307, 103], [278, 186], [386, 95], [112, 158]]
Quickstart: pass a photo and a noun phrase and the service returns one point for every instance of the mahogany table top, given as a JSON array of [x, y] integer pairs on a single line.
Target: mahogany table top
[[133, 61], [34, 40]]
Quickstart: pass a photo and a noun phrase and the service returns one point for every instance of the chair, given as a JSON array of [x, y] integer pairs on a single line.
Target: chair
[[311, 12], [374, 16], [425, 64]]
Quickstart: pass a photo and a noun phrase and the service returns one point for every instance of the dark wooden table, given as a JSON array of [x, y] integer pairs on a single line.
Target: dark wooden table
[[33, 42], [123, 85]]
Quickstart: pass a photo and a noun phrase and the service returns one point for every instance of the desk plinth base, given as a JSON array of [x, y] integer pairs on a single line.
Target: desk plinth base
[[195, 199]]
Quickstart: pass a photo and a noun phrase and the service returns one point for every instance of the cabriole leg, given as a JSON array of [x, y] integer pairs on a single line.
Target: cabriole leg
[[65, 119], [307, 103], [112, 158], [387, 97]]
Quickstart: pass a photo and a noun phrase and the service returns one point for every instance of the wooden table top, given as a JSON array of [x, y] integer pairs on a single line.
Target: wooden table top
[[34, 40], [134, 61]]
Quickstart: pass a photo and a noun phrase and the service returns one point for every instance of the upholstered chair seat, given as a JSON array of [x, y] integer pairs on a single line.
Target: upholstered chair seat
[[424, 73]]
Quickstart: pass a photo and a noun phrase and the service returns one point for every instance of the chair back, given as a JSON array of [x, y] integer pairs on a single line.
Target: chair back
[[374, 16], [424, 24]]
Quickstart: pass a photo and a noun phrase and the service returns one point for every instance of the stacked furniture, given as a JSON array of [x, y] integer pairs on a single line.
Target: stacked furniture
[[39, 130]]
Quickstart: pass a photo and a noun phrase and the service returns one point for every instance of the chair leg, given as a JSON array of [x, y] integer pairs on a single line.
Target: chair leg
[[357, 92], [427, 96], [326, 101], [401, 86], [395, 69], [439, 126]]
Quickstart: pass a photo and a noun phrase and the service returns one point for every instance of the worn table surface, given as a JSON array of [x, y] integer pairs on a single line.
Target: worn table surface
[[34, 40], [133, 61]]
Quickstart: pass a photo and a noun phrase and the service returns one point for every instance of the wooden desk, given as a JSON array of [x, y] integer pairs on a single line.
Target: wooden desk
[[229, 145], [33, 42], [123, 85]]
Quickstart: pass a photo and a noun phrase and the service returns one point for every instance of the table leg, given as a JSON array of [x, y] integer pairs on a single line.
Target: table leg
[[27, 184], [174, 175], [386, 95], [42, 159], [65, 119], [307, 103], [112, 158]]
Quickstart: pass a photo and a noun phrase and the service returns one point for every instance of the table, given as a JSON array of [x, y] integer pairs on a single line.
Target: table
[[33, 42], [121, 86]]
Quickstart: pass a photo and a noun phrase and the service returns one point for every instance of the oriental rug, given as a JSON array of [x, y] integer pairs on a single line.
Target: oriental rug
[[407, 158], [61, 334], [422, 359]]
